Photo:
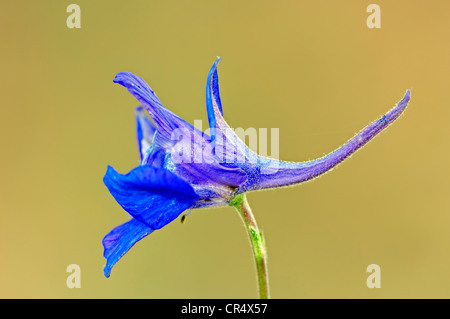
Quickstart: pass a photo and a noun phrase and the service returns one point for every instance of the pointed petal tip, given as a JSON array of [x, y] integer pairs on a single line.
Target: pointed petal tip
[[407, 96], [216, 62], [108, 267], [107, 271], [401, 106]]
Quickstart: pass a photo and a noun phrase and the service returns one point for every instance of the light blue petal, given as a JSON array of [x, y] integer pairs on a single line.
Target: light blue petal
[[145, 131]]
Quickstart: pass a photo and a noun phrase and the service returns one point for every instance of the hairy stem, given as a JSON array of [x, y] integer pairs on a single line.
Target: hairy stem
[[257, 242]]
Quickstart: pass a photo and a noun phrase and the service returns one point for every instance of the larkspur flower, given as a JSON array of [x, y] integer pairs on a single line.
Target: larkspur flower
[[183, 168]]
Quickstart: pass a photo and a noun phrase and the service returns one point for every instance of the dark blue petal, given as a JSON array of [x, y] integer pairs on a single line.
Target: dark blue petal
[[145, 130], [153, 196], [120, 240]]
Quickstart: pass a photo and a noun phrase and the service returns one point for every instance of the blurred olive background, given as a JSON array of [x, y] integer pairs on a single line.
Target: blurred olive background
[[312, 69]]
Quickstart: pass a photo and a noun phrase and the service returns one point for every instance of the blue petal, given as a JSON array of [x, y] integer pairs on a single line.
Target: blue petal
[[165, 120], [227, 146], [145, 130], [120, 240], [153, 196], [181, 147], [213, 103]]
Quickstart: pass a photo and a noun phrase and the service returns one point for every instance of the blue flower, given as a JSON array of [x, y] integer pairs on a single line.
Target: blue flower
[[183, 168]]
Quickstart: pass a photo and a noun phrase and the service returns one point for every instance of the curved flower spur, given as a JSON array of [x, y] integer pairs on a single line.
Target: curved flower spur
[[183, 168]]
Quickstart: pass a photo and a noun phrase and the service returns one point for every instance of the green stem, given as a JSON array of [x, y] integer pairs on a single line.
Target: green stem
[[257, 242]]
